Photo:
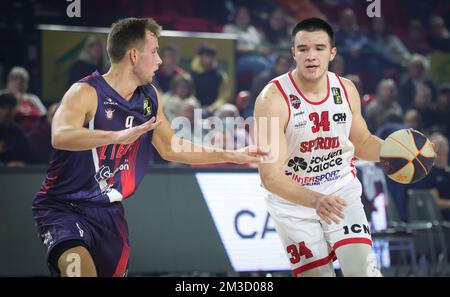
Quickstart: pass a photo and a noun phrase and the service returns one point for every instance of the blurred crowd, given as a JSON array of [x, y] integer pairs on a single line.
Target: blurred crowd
[[388, 58]]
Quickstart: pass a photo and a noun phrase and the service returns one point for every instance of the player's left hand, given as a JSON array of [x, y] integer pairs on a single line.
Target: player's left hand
[[251, 154]]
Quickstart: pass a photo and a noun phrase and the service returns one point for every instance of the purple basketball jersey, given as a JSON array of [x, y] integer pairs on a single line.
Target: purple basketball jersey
[[109, 173]]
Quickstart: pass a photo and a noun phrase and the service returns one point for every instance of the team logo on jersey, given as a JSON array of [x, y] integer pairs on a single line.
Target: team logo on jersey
[[340, 118], [147, 107], [336, 95], [295, 101], [109, 113], [297, 163]]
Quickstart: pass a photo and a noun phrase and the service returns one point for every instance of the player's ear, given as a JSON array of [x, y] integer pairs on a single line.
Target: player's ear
[[333, 53], [133, 53], [293, 52]]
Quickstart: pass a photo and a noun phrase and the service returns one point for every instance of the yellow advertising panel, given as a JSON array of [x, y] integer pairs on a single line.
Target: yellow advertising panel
[[62, 45]]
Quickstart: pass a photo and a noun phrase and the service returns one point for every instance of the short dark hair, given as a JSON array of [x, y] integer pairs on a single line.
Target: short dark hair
[[128, 33], [207, 49], [312, 25], [8, 100]]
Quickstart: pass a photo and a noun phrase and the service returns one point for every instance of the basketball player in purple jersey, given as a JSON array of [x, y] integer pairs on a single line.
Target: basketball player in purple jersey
[[103, 131]]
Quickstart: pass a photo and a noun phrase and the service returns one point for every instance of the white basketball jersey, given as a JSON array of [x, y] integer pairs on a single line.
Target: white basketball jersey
[[320, 155]]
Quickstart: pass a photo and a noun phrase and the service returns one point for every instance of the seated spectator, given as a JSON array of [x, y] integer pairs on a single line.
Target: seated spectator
[[439, 178], [442, 109], [338, 65], [91, 58], [385, 101], [439, 35], [181, 88], [29, 107], [251, 54], [422, 103], [249, 40], [14, 150], [40, 137], [351, 41], [170, 67], [282, 65], [236, 135], [412, 119], [417, 76], [211, 83], [275, 32], [416, 41]]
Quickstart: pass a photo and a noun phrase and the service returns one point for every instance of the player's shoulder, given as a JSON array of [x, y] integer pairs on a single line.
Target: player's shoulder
[[348, 84], [81, 93]]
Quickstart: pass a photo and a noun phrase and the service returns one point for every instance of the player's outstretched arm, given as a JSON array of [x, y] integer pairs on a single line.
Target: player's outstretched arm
[[271, 116], [367, 145], [172, 148], [77, 108]]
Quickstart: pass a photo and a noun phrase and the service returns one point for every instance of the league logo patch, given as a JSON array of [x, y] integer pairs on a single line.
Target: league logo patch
[[336, 95], [147, 107], [109, 113], [295, 101]]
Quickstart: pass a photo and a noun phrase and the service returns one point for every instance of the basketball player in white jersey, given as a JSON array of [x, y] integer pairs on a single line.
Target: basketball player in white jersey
[[313, 195]]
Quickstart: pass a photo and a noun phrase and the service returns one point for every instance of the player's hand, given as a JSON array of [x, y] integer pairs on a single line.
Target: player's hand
[[251, 154], [330, 208], [130, 135]]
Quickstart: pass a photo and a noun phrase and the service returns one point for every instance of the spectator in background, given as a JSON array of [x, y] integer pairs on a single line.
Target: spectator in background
[[439, 36], [417, 76], [338, 65], [416, 41], [181, 88], [385, 101], [439, 178], [275, 32], [249, 48], [170, 67], [442, 109], [91, 58], [249, 40], [412, 119], [40, 137], [29, 106], [282, 65], [14, 150], [235, 134], [422, 103], [385, 52], [351, 41], [211, 83]]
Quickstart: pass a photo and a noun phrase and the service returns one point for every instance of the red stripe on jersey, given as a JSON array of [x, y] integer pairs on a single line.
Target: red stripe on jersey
[[330, 258], [304, 97], [128, 176], [345, 92], [352, 240], [286, 99]]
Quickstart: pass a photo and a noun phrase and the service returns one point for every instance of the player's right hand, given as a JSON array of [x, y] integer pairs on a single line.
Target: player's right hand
[[130, 135], [330, 208]]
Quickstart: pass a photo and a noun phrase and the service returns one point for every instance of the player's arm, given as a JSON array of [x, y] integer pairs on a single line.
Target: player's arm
[[271, 116], [367, 145], [172, 148], [77, 108]]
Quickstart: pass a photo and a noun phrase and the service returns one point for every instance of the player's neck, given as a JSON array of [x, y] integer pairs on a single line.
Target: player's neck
[[121, 81], [312, 87]]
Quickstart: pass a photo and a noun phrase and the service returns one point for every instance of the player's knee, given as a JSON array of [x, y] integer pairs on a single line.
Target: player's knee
[[357, 260], [76, 262]]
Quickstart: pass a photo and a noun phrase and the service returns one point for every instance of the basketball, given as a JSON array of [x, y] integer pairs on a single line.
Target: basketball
[[407, 156]]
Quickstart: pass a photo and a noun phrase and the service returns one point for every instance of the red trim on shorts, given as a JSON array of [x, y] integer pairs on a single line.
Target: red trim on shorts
[[286, 99], [352, 240], [304, 97], [121, 268], [345, 92], [330, 258]]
